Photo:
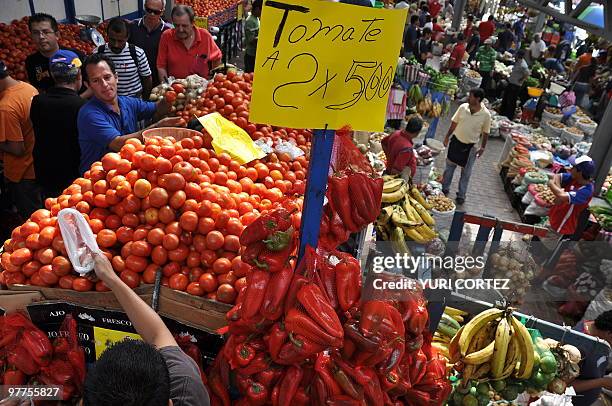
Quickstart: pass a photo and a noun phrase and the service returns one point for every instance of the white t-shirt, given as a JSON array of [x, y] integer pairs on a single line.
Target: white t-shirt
[[536, 49]]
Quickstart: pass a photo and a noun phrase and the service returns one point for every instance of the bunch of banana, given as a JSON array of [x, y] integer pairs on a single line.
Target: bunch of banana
[[394, 190], [448, 328], [493, 344], [414, 95], [436, 110]]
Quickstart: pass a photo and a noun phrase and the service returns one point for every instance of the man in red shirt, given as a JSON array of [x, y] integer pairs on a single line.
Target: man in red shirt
[[486, 28], [469, 27], [434, 8], [456, 57], [186, 49], [398, 148]]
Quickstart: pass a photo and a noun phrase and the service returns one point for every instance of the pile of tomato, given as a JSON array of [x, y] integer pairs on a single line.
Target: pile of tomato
[[16, 44], [174, 205], [205, 8]]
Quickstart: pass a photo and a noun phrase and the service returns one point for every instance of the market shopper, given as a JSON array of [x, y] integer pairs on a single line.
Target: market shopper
[[551, 63], [486, 28], [411, 36], [186, 49], [583, 79], [455, 61], [45, 36], [536, 48], [564, 48], [152, 372], [519, 31], [486, 57], [54, 118], [472, 46], [399, 149], [592, 377], [130, 61], [17, 143], [251, 34], [107, 121], [506, 39], [469, 28], [423, 47], [470, 127], [146, 33], [520, 73]]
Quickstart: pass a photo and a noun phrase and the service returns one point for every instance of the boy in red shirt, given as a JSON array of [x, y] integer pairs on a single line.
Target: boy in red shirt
[[486, 28], [456, 57], [399, 149]]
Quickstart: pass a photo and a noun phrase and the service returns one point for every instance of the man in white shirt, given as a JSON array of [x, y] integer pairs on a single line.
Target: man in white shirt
[[133, 71], [537, 48], [470, 126]]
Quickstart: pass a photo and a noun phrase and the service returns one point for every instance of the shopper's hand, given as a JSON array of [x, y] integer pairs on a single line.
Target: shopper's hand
[[480, 152], [104, 270], [606, 382], [171, 122]]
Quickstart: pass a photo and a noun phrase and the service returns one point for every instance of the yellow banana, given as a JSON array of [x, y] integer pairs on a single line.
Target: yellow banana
[[399, 218], [398, 242], [387, 178], [512, 357], [474, 325], [414, 192], [426, 232], [423, 213], [453, 311], [481, 356], [383, 231], [526, 353], [453, 347], [502, 339], [414, 235], [458, 319], [393, 185], [469, 369], [395, 196], [442, 348], [385, 214]]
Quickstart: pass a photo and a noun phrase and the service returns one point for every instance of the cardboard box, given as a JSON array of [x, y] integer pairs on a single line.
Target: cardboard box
[[11, 301]]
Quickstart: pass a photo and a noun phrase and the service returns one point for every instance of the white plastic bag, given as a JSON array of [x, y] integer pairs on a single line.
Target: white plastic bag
[[78, 239], [536, 210], [289, 148]]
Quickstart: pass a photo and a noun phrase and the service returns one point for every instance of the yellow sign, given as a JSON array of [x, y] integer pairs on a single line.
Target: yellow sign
[[201, 22], [323, 63], [228, 137], [105, 338], [240, 13]]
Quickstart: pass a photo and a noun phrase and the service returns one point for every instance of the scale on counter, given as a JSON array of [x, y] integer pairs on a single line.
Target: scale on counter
[[89, 32]]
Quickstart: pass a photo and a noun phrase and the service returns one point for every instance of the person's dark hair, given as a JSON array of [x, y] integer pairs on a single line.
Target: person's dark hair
[[181, 10], [425, 9], [42, 17], [491, 18], [589, 50], [470, 18], [64, 76], [603, 322], [426, 31], [129, 373], [3, 71], [423, 4], [414, 125], [460, 37], [478, 93], [257, 4], [414, 19], [520, 53], [508, 26], [118, 25], [95, 59]]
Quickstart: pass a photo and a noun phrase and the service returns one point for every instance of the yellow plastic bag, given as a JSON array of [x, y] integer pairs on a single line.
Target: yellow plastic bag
[[228, 137]]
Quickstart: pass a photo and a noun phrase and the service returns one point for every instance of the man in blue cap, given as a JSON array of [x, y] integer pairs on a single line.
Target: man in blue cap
[[54, 117]]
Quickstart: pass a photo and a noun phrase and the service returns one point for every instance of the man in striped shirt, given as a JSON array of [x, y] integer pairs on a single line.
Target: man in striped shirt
[[131, 61]]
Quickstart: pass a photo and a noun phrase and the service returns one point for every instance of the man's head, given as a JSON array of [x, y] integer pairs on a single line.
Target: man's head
[[44, 32], [491, 18], [130, 373], [460, 37], [118, 33], [101, 77], [256, 8], [65, 69], [414, 127], [414, 20], [153, 11], [488, 42], [470, 19], [520, 55], [603, 326], [3, 71], [476, 96], [583, 169], [425, 9], [427, 33], [589, 50], [182, 18], [508, 26], [536, 38]]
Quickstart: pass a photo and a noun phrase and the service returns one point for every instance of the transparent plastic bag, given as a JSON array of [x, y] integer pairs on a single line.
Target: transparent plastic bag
[[289, 148], [79, 240]]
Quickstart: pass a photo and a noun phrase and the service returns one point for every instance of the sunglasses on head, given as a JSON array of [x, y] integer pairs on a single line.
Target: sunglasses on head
[[152, 11]]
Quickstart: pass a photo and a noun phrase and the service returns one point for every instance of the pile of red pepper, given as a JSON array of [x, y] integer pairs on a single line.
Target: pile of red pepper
[[354, 194], [312, 341], [27, 355]]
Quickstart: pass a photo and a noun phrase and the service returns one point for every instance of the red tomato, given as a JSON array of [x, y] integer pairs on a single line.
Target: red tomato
[[178, 281]]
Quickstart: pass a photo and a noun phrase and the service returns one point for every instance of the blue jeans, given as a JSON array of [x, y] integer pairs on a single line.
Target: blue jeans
[[466, 172]]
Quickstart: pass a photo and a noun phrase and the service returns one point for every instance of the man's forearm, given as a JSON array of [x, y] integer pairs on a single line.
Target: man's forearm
[[146, 322], [162, 74], [147, 85], [118, 142], [483, 140], [163, 108], [583, 385]]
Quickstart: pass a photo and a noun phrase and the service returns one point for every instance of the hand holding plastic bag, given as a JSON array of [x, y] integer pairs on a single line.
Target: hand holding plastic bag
[[79, 240]]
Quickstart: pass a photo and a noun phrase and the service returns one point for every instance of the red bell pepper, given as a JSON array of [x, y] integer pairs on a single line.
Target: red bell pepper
[[348, 348], [418, 367], [257, 283], [21, 359], [274, 396], [323, 369], [299, 323], [13, 377], [279, 240], [367, 378], [273, 302], [258, 363], [367, 344], [305, 345], [269, 377], [276, 220], [276, 338], [319, 392], [417, 398], [327, 282], [319, 309], [348, 283], [376, 319], [235, 312], [9, 336], [251, 252], [275, 261], [389, 380], [338, 193], [301, 398], [347, 384], [218, 389], [61, 345], [418, 321], [38, 345], [290, 384], [243, 354], [257, 394], [343, 400], [296, 284], [291, 354]]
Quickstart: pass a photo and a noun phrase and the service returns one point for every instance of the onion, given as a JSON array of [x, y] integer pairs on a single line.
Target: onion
[[557, 386], [573, 353]]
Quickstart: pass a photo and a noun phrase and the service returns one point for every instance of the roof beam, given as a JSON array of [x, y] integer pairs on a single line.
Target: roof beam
[[602, 32], [580, 8]]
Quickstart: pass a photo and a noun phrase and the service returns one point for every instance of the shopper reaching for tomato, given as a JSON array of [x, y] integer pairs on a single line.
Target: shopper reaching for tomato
[[107, 121], [154, 372]]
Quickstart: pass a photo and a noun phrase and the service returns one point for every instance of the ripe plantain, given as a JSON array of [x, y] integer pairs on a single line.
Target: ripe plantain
[[481, 356], [526, 350], [416, 195], [502, 340], [393, 185], [453, 311], [474, 325], [395, 196]]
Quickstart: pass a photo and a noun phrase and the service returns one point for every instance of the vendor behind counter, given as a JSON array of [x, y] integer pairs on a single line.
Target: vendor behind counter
[[399, 149]]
